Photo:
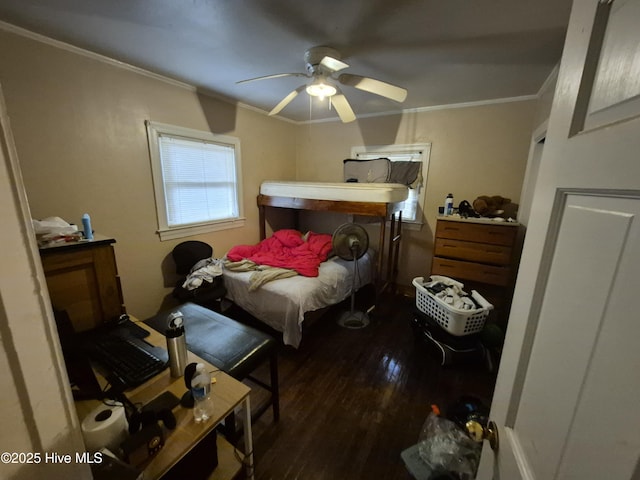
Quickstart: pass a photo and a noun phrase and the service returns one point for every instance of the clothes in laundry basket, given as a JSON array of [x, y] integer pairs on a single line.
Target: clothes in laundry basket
[[451, 292]]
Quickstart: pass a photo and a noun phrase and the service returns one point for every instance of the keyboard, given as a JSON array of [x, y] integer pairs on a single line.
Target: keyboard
[[129, 360]]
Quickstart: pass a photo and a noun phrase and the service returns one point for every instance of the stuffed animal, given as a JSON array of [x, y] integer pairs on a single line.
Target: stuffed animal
[[492, 206]]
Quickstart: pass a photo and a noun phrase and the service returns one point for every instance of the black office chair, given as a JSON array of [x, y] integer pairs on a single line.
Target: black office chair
[[186, 255]]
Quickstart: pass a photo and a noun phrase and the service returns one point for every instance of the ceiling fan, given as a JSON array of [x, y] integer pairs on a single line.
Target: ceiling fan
[[323, 63]]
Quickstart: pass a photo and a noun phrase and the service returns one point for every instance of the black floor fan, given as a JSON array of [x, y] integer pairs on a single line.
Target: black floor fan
[[350, 242]]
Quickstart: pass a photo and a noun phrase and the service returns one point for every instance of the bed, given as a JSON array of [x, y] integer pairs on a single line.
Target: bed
[[283, 304], [380, 201]]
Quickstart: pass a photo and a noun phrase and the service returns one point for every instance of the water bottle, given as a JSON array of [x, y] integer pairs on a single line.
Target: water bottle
[[448, 205], [86, 225], [176, 344], [201, 391]]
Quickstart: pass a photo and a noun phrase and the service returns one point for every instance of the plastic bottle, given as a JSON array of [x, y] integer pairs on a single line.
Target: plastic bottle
[[86, 225], [448, 205], [201, 391]]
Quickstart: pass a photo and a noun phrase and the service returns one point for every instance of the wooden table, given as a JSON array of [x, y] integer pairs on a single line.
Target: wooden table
[[227, 394]]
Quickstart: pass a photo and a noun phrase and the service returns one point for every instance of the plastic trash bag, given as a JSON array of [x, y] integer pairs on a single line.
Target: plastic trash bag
[[447, 449]]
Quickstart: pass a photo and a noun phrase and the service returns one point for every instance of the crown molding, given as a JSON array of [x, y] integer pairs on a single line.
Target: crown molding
[[551, 78], [23, 32], [123, 65], [450, 106]]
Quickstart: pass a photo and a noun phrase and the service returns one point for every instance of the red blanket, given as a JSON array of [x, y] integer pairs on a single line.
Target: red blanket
[[287, 249]]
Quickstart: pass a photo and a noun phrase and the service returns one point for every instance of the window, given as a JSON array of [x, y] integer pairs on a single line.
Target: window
[[196, 180], [414, 204]]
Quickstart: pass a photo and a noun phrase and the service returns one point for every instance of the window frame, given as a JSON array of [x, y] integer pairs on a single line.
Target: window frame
[[166, 232], [421, 149]]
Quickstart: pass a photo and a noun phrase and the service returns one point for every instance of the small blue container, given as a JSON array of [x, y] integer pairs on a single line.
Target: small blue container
[[86, 224]]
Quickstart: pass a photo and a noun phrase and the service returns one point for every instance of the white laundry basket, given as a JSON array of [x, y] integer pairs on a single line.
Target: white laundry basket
[[453, 320]]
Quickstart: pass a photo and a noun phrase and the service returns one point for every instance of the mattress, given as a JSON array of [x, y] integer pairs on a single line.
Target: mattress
[[282, 304], [351, 192]]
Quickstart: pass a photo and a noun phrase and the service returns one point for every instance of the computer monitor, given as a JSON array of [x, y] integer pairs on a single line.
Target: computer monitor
[[84, 384]]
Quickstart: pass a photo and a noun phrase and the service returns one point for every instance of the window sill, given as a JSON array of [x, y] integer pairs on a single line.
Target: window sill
[[406, 225], [417, 226], [190, 230]]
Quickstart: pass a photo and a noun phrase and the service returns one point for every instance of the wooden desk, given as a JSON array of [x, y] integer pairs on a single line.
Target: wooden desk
[[227, 394]]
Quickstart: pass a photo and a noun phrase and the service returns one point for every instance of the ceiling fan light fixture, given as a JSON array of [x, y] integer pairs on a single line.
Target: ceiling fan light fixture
[[319, 88]]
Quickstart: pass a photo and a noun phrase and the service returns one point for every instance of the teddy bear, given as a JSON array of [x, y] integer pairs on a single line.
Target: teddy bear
[[494, 206]]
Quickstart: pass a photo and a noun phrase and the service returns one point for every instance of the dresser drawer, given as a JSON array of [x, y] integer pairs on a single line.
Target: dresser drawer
[[476, 232], [477, 272], [472, 251]]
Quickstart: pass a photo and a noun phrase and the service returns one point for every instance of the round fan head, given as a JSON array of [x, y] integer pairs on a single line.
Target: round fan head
[[350, 241]]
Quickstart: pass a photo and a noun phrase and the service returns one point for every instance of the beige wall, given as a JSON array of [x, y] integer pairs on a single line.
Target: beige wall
[[475, 151], [79, 129]]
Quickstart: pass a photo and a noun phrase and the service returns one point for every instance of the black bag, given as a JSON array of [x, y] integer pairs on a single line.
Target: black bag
[[466, 210], [447, 348]]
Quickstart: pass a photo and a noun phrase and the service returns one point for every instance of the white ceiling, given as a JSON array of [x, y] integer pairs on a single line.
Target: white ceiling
[[442, 51]]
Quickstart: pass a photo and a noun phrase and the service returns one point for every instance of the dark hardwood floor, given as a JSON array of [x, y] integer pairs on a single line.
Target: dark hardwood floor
[[352, 400]]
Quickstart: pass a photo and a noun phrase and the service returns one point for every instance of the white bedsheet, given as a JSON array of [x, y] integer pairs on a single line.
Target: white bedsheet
[[281, 304]]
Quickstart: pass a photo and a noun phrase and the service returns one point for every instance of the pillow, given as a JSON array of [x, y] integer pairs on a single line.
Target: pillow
[[289, 237], [367, 171]]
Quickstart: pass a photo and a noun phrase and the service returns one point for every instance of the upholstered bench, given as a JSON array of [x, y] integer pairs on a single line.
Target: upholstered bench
[[234, 348]]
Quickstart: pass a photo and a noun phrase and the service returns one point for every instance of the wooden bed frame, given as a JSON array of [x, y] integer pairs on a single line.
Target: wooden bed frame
[[384, 278]]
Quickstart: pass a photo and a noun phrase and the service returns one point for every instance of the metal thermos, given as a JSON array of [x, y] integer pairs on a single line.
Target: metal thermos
[[176, 344]]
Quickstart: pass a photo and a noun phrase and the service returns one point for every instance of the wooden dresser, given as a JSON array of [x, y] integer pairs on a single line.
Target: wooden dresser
[[82, 278], [482, 254]]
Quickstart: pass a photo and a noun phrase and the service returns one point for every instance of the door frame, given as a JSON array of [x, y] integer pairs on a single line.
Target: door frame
[[536, 150], [38, 399]]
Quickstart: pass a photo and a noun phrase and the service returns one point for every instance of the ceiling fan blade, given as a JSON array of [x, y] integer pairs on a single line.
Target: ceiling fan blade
[[277, 75], [286, 100], [374, 86], [333, 64], [339, 101]]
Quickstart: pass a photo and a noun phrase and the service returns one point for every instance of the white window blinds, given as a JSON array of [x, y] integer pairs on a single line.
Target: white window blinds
[[196, 180], [199, 180]]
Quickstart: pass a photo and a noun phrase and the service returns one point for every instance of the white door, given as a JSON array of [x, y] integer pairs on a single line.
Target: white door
[[567, 399]]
